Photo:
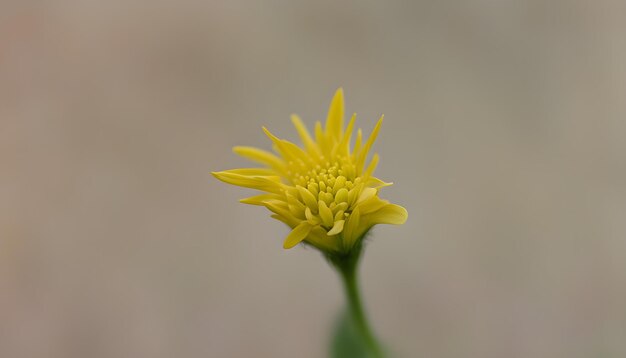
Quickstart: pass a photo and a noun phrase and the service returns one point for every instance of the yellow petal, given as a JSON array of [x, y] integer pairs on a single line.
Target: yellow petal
[[366, 194], [308, 198], [376, 183], [298, 234], [370, 168], [363, 154], [371, 205], [340, 182], [263, 172], [351, 227], [326, 214], [259, 199], [319, 238], [286, 148], [341, 196], [326, 197], [312, 219], [313, 188], [291, 222], [297, 209], [280, 208], [339, 215], [334, 121], [293, 151], [304, 134], [269, 184], [337, 228], [321, 139], [357, 144], [345, 141], [259, 156], [354, 193], [390, 214], [340, 207], [293, 200]]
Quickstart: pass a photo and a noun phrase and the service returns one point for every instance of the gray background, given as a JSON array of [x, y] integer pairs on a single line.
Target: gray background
[[505, 135]]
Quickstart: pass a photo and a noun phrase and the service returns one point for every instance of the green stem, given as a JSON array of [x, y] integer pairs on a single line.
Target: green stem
[[348, 267]]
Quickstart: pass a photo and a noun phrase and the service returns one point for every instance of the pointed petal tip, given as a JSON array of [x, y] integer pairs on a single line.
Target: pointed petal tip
[[269, 134], [221, 176], [296, 235], [334, 119], [337, 228], [338, 96], [379, 122], [259, 200], [290, 245], [238, 148]]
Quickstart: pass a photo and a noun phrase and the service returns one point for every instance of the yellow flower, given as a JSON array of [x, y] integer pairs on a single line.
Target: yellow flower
[[324, 191]]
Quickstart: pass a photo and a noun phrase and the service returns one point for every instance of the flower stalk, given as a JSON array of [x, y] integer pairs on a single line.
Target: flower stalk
[[347, 266]]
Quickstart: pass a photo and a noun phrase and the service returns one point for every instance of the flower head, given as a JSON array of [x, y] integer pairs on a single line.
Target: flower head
[[323, 191]]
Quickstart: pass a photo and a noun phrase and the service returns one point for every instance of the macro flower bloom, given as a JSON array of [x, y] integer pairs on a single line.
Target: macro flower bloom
[[323, 191]]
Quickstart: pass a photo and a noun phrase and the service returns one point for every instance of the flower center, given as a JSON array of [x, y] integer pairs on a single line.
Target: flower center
[[327, 191]]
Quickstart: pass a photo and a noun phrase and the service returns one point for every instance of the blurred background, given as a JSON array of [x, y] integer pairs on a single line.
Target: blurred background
[[505, 135]]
